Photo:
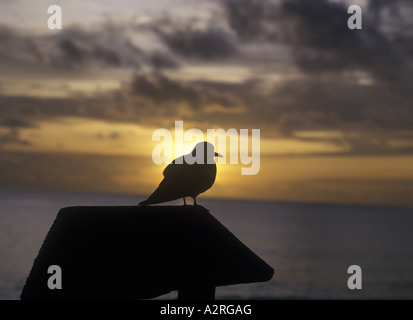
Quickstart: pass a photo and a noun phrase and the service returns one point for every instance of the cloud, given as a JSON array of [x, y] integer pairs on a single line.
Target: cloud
[[321, 42], [13, 137], [333, 78], [363, 142], [17, 48], [159, 89], [148, 99], [16, 123], [317, 36], [327, 103], [161, 61], [109, 46], [206, 43], [71, 51], [154, 99], [252, 19], [75, 48], [75, 55]]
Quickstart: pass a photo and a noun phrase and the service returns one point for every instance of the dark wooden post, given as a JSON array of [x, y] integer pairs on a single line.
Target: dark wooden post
[[141, 253]]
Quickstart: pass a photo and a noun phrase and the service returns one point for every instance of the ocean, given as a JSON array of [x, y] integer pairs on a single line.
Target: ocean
[[310, 246]]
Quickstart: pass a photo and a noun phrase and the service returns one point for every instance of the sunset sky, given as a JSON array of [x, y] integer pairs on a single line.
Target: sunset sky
[[78, 106]]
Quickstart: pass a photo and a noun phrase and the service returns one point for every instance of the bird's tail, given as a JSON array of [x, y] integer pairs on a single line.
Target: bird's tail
[[143, 203]]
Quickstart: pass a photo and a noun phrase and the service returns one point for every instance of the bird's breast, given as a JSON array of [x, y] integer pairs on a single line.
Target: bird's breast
[[201, 178]]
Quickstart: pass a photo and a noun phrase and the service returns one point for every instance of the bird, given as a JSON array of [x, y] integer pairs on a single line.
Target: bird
[[187, 176]]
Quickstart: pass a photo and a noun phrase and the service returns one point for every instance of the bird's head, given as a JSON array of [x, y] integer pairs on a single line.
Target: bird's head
[[206, 151]]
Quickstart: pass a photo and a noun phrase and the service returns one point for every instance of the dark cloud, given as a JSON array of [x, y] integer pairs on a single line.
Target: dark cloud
[[187, 40], [76, 48], [376, 143], [71, 51], [160, 89], [252, 19], [13, 137], [109, 56], [161, 61], [16, 123], [309, 104], [321, 41], [148, 99], [39, 107], [108, 107], [315, 105], [109, 46], [367, 142], [16, 48], [71, 48], [297, 105], [75, 55], [206, 44], [317, 35], [323, 47]]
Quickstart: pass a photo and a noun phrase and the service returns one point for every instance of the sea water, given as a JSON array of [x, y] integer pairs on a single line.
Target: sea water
[[310, 246]]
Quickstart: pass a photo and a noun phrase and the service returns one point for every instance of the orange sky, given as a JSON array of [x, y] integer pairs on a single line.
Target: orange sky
[[79, 105]]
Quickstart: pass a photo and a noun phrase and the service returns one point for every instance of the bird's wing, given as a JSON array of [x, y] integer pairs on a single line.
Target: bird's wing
[[174, 185], [167, 170], [171, 169]]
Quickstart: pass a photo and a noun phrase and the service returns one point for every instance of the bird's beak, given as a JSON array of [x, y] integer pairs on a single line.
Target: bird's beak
[[218, 155]]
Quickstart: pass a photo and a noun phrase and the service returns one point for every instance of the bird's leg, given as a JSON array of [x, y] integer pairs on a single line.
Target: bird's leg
[[195, 204], [184, 201]]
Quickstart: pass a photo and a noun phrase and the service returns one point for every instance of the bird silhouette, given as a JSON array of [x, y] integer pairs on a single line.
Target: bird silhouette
[[187, 176]]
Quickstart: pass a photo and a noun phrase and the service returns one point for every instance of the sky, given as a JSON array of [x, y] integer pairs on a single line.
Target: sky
[[78, 106]]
